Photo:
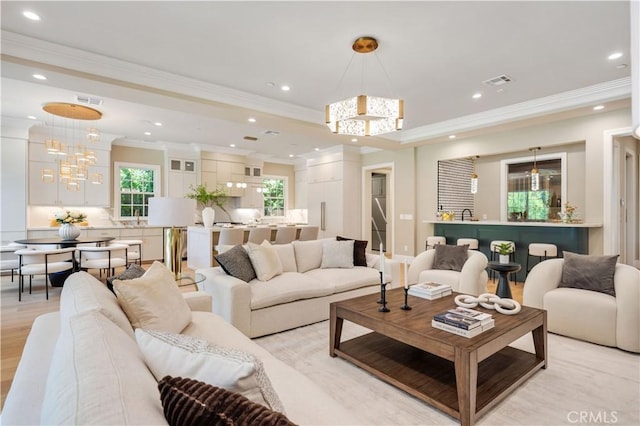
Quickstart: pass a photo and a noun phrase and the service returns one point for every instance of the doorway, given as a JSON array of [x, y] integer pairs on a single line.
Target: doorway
[[377, 207]]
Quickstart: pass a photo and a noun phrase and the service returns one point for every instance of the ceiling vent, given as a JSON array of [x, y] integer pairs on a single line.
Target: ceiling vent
[[88, 100], [498, 81], [250, 138], [271, 132]]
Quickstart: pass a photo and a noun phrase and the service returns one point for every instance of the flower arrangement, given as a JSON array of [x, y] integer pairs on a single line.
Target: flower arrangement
[[569, 210], [69, 216]]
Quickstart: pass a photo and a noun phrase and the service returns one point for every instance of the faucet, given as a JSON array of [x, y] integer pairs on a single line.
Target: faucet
[[136, 213], [470, 214]]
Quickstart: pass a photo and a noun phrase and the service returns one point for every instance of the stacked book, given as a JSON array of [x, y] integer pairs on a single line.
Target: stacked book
[[463, 321], [429, 290]]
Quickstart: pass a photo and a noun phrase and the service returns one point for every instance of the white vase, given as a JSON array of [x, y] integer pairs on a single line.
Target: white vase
[[68, 231], [504, 258], [208, 217]]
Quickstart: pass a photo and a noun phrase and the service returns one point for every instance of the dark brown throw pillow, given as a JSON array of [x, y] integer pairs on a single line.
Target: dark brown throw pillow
[[359, 250], [188, 402], [450, 257], [236, 262], [133, 271], [589, 272]]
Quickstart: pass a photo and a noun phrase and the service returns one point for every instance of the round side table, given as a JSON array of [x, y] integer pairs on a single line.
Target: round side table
[[504, 269]]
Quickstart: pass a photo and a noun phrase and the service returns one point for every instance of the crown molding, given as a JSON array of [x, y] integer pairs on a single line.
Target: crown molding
[[608, 91]]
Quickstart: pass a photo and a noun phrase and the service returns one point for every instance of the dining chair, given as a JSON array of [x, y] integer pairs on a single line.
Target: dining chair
[[42, 262], [9, 259], [106, 258], [308, 233], [285, 234], [258, 235], [134, 253]]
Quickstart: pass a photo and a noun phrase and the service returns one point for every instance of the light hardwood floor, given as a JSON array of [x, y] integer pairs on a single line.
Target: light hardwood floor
[[17, 318]]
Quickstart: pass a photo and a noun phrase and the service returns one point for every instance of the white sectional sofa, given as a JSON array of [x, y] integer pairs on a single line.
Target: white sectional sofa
[[299, 296], [82, 365]]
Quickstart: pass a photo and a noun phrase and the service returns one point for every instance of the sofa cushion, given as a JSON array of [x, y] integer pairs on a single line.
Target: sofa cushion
[[287, 257], [264, 259], [450, 257], [337, 254], [169, 354], [188, 402], [288, 287], [154, 301], [82, 292], [98, 376], [589, 272], [308, 254], [343, 279], [359, 251], [236, 262]]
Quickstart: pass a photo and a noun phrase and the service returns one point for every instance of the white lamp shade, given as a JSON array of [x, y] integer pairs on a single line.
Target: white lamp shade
[[171, 211]]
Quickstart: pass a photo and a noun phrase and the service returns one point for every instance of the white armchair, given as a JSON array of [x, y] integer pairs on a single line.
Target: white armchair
[[588, 315], [472, 279]]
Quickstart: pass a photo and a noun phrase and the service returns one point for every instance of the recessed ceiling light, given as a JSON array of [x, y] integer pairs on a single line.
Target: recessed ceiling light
[[31, 15], [233, 145], [39, 77], [290, 155], [31, 117], [316, 148], [354, 140], [251, 120], [147, 133], [452, 136], [477, 95], [615, 55], [598, 107], [285, 88], [157, 123]]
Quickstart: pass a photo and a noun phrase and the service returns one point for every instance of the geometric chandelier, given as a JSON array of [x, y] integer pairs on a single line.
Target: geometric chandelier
[[365, 115]]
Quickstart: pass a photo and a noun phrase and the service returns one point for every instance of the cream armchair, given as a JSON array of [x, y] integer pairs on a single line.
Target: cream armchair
[[472, 279], [588, 315]]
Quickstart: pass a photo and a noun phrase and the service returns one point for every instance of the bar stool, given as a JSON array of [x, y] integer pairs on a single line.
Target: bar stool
[[543, 251], [433, 241], [493, 247], [258, 235], [228, 238], [473, 243], [285, 234]]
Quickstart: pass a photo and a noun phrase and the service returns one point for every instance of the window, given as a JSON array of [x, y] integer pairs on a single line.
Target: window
[[133, 185], [524, 204], [274, 193]]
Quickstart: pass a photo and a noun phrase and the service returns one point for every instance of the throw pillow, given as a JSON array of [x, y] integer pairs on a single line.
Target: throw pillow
[[450, 257], [308, 254], [287, 257], [589, 272], [133, 271], [188, 402], [337, 254], [236, 262], [265, 260], [168, 354], [154, 301], [359, 251]]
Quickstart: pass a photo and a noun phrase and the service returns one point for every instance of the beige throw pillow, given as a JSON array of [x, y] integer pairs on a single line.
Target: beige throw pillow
[[265, 260], [337, 254], [154, 301]]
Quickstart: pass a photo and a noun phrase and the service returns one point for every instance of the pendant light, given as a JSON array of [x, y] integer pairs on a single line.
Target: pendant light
[[474, 176], [535, 176]]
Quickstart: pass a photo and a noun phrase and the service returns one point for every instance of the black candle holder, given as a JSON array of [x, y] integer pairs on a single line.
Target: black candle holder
[[383, 295], [406, 306]]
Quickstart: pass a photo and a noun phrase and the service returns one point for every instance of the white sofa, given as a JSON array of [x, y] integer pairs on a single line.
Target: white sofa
[[584, 314], [472, 279], [299, 296], [97, 375]]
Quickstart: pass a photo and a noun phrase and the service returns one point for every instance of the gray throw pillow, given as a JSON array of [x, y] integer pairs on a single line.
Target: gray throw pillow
[[450, 257], [589, 272], [133, 271], [236, 262]]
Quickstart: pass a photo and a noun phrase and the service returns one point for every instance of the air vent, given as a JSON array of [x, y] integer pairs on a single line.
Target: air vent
[[271, 132], [88, 100], [498, 81], [250, 138]]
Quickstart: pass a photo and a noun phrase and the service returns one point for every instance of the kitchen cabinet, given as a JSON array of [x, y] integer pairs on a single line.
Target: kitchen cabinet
[[252, 199], [228, 171]]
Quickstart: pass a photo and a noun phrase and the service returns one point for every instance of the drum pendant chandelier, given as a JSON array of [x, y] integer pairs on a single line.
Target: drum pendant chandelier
[[365, 115]]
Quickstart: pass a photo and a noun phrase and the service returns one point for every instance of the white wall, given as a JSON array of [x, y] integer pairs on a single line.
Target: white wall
[[13, 184]]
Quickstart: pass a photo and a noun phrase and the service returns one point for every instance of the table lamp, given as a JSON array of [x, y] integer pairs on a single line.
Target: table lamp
[[174, 215]]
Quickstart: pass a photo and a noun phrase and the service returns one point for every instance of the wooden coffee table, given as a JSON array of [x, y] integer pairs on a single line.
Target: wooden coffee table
[[460, 376]]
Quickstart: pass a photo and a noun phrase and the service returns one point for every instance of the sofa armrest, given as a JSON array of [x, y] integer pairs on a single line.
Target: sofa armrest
[[198, 301], [544, 277], [231, 297], [473, 275], [627, 285], [421, 262]]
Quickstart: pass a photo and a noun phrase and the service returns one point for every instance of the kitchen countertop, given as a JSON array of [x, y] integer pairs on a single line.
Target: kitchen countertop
[[51, 228], [503, 223]]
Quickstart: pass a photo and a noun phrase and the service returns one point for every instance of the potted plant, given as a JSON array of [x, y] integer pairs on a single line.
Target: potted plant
[[207, 199], [504, 250]]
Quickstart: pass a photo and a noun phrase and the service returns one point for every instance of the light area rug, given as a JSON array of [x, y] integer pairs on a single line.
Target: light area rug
[[583, 384]]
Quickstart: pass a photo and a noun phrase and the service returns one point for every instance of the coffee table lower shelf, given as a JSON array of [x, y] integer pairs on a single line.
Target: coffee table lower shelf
[[432, 379]]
